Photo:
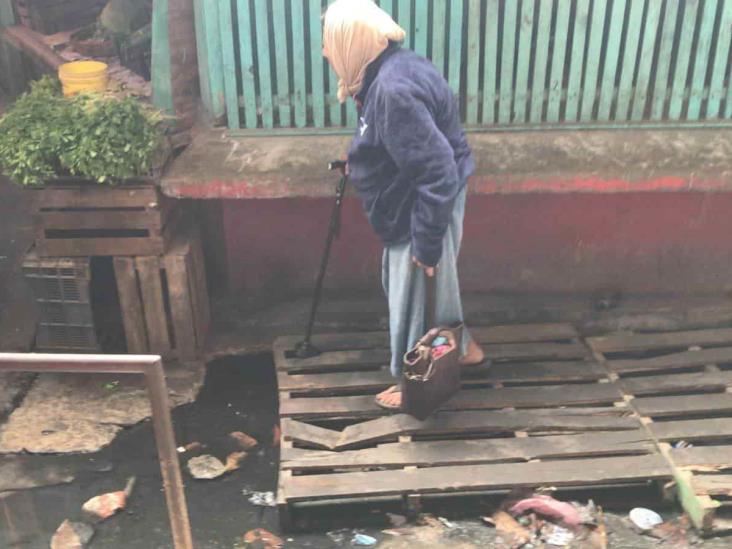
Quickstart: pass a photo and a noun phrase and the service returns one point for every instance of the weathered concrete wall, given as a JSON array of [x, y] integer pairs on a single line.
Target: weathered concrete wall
[[633, 242]]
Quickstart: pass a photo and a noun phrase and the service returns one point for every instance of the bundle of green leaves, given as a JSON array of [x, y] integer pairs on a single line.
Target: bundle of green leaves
[[96, 136]]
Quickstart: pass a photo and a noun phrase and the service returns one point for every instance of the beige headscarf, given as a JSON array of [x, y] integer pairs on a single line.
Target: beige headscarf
[[355, 33]]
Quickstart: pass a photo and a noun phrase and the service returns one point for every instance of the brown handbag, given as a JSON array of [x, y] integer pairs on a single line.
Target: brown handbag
[[431, 374]]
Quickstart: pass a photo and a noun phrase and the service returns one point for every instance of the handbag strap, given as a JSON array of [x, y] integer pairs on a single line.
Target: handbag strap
[[430, 302]]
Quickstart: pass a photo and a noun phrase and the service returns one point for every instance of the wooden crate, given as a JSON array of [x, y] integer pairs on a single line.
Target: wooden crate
[[52, 16], [680, 385], [164, 299], [544, 413], [87, 219]]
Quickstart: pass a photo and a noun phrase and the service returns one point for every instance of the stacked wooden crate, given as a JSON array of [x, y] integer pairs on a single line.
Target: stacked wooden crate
[[155, 250]]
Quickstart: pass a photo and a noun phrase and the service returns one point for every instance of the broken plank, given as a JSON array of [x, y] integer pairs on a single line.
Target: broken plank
[[312, 435], [468, 399], [712, 484], [703, 457], [456, 452], [523, 333], [536, 351], [580, 472], [693, 429], [686, 359], [669, 340], [699, 381], [555, 420], [338, 359], [683, 405]]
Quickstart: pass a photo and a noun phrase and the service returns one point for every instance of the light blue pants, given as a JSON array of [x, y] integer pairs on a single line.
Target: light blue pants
[[405, 289]]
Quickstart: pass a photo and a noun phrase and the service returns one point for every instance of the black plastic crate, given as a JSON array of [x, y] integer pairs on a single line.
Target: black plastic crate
[[60, 337]]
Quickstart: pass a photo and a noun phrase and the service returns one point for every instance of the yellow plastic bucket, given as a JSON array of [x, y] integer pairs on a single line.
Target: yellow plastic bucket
[[83, 76]]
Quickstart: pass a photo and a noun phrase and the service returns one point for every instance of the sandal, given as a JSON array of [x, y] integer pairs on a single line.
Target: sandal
[[389, 391]]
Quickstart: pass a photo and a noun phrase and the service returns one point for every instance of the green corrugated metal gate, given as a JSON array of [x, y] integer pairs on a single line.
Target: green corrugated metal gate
[[513, 63]]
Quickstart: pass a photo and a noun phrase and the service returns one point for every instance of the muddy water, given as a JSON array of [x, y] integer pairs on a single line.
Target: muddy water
[[239, 395]]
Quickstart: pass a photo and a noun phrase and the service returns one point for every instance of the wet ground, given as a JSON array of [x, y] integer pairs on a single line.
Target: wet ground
[[239, 395]]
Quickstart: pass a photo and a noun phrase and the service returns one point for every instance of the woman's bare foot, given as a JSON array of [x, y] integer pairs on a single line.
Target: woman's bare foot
[[391, 398], [474, 356]]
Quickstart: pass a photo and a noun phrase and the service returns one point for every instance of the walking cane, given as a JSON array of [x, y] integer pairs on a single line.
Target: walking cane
[[305, 349]]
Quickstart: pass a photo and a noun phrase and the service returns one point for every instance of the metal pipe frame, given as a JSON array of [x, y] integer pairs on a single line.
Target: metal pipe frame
[[152, 368]]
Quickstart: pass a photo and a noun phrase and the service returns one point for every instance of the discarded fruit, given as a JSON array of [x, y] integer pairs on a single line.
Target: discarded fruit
[[72, 535], [549, 507], [262, 539], [104, 506], [244, 440], [206, 467], [233, 461]]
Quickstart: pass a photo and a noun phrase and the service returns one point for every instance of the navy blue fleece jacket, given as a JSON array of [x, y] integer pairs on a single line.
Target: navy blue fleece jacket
[[409, 158]]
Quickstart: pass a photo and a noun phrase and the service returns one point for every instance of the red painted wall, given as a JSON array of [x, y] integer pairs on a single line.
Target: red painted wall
[[632, 242]]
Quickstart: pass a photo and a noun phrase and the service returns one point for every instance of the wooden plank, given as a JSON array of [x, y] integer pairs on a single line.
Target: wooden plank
[[494, 421], [683, 60], [477, 477], [594, 50], [541, 59], [524, 333], [151, 290], [347, 341], [686, 359], [439, 34], [523, 61], [490, 63], [645, 61], [665, 56], [264, 69], [336, 359], [181, 307], [701, 59], [248, 69], [312, 435], [455, 45], [404, 19], [387, 6], [133, 318], [712, 484], [696, 382], [659, 342], [75, 247], [204, 74], [535, 351], [328, 383], [282, 62], [703, 457], [465, 452], [508, 59], [90, 197], [577, 60], [630, 59], [150, 219], [612, 53], [684, 404], [299, 97], [467, 399], [160, 67], [199, 291], [421, 27], [692, 430], [721, 57], [316, 63], [473, 76], [559, 53], [231, 92]]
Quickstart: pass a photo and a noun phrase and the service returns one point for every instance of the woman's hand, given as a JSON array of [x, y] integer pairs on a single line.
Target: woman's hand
[[429, 271]]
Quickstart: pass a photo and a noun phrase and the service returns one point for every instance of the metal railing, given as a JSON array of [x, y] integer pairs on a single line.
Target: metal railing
[[152, 368]]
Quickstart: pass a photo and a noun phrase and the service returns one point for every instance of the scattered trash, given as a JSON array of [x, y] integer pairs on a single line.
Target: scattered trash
[[206, 467], [262, 539], [363, 540], [644, 519], [682, 444], [397, 520], [548, 507], [233, 460], [192, 447], [338, 536], [558, 535], [598, 536], [262, 499], [111, 386], [511, 531], [276, 435], [72, 535], [104, 506], [672, 533], [244, 440], [446, 523], [694, 348]]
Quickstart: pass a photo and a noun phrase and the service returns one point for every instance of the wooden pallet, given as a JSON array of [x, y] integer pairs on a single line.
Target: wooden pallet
[[680, 384], [87, 219], [545, 413], [164, 299]]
